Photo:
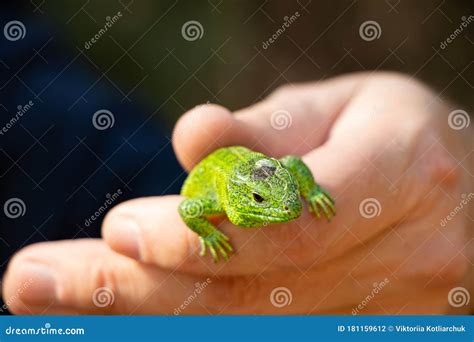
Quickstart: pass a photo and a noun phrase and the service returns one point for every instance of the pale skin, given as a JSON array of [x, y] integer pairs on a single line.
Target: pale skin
[[376, 136]]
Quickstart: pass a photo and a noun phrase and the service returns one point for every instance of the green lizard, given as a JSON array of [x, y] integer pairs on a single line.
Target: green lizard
[[251, 189]]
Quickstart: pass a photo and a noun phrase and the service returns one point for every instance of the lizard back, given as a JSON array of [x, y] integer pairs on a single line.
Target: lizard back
[[204, 178]]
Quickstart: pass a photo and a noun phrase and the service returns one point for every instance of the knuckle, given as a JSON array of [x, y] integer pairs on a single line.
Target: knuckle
[[412, 87], [440, 167], [104, 289], [281, 90], [393, 77], [435, 168]]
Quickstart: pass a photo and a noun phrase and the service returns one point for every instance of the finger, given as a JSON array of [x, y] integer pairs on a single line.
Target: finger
[[151, 230], [332, 284], [86, 277], [302, 114]]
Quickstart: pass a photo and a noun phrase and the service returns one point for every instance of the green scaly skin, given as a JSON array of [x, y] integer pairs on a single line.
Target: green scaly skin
[[251, 189]]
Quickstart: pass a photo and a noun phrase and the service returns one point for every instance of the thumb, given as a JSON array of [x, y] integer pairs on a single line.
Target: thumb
[[293, 120]]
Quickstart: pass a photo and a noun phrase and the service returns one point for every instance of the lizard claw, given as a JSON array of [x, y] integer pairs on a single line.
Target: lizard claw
[[217, 243], [320, 199]]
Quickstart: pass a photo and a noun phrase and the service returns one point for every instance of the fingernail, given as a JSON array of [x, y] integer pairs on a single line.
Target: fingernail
[[126, 237], [37, 284]]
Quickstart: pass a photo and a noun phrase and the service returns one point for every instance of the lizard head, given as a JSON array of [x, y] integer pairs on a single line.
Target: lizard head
[[262, 191]]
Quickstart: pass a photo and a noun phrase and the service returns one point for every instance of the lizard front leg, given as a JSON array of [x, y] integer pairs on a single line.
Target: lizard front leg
[[309, 189], [193, 212]]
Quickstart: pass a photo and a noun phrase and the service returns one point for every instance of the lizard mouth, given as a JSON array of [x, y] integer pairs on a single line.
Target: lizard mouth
[[270, 218]]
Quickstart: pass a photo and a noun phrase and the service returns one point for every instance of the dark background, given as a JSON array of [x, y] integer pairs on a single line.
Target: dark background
[[146, 74], [146, 52]]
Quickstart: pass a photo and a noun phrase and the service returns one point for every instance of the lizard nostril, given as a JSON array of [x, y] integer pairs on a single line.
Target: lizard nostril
[[286, 208]]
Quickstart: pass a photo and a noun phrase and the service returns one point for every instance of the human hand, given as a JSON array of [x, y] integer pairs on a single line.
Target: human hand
[[379, 143]]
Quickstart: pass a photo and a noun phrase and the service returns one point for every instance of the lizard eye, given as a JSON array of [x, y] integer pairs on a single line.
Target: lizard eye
[[257, 198]]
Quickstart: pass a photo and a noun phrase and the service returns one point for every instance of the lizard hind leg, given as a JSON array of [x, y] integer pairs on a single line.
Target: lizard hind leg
[[193, 212]]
